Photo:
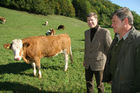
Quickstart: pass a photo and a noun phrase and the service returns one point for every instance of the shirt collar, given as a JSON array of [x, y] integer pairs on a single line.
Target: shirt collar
[[125, 36]]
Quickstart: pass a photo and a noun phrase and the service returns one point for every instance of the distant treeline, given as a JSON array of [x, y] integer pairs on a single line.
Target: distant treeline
[[70, 8]]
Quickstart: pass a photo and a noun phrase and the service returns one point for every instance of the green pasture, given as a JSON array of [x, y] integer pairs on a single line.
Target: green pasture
[[17, 77]]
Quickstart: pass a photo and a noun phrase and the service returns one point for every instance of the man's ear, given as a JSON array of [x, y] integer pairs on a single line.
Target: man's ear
[[126, 20], [7, 46]]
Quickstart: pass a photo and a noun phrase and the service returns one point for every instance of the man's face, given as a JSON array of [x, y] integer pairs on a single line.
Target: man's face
[[117, 24], [92, 21]]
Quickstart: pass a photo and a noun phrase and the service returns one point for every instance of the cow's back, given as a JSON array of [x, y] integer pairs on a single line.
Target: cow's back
[[47, 45]]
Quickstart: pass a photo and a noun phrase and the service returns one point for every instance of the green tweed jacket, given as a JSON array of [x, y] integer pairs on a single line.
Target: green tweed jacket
[[96, 50]]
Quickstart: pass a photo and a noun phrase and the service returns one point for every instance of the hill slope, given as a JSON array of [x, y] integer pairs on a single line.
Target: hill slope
[[18, 76], [70, 8]]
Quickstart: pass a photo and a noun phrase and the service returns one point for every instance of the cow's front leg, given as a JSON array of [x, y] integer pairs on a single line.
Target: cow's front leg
[[37, 61], [34, 67]]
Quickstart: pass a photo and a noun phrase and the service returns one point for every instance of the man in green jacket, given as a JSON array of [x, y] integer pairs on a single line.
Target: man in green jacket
[[123, 62]]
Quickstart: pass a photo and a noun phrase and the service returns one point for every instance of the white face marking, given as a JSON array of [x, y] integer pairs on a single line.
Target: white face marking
[[16, 47]]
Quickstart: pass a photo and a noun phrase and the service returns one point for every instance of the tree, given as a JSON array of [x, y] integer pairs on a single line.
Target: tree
[[136, 20]]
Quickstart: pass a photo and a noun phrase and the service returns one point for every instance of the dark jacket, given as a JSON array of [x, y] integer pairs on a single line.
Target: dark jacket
[[127, 74]]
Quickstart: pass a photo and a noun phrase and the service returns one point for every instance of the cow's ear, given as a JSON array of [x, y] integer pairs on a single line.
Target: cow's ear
[[7, 46], [26, 44]]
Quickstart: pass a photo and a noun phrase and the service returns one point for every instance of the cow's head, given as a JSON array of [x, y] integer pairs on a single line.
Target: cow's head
[[16, 46]]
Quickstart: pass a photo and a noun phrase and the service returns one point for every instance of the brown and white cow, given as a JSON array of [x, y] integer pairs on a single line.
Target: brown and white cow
[[2, 19], [32, 49], [46, 23]]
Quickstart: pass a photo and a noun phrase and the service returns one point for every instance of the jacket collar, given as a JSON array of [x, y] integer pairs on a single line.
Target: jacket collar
[[131, 34]]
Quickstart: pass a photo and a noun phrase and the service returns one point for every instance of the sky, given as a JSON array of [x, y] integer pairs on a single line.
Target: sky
[[133, 5]]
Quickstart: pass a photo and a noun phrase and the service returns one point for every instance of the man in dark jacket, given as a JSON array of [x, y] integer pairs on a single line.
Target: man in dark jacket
[[123, 61], [97, 43]]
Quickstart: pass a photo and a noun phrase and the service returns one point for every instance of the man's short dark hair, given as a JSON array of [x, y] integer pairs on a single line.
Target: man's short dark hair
[[92, 14]]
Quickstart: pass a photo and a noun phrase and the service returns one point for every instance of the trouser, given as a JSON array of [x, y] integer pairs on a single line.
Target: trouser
[[90, 82]]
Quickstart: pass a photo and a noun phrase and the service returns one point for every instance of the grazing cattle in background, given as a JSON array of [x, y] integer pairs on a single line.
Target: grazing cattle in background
[[32, 49], [50, 32], [3, 20], [60, 27], [46, 23]]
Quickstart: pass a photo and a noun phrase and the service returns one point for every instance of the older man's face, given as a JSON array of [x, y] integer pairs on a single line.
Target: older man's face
[[117, 24], [92, 21]]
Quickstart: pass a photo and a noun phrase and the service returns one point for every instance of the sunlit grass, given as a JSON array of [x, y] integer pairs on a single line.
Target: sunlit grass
[[17, 77]]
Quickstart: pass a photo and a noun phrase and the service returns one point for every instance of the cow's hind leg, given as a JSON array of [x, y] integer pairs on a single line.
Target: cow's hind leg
[[66, 60], [71, 58]]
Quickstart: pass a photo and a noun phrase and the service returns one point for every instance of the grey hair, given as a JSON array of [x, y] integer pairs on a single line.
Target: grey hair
[[123, 13]]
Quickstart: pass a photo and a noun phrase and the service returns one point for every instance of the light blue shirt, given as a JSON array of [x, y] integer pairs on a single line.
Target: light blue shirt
[[124, 37]]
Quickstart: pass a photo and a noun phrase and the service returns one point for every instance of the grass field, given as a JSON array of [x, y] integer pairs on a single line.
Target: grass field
[[17, 77]]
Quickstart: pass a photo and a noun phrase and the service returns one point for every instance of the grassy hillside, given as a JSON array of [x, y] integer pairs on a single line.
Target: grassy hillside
[[17, 77]]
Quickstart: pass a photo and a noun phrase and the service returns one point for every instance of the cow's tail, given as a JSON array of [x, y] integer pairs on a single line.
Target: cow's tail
[[71, 58]]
